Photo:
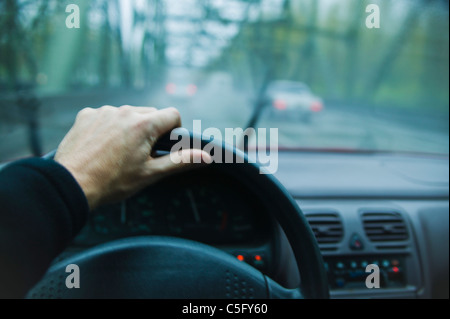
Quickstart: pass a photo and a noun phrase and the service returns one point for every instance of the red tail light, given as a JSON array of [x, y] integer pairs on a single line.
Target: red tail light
[[316, 107], [280, 105], [191, 89], [171, 88]]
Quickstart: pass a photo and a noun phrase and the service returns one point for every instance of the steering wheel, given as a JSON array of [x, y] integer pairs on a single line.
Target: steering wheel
[[166, 267]]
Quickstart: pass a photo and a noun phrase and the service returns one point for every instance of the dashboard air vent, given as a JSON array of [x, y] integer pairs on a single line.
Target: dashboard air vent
[[327, 227], [383, 227]]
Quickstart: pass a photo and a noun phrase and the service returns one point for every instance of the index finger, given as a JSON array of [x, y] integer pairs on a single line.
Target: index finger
[[163, 121]]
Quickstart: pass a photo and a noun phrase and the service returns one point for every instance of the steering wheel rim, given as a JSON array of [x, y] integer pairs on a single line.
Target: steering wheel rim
[[132, 252]]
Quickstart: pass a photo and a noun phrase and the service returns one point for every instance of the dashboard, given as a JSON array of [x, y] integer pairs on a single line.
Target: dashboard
[[382, 209], [388, 210]]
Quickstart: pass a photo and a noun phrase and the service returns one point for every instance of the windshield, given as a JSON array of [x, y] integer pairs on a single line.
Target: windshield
[[328, 74], [287, 87]]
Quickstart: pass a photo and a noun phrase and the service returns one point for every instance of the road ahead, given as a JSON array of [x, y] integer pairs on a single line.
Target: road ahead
[[222, 107]]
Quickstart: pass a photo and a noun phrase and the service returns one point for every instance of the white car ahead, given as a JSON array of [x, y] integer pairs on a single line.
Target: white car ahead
[[292, 100]]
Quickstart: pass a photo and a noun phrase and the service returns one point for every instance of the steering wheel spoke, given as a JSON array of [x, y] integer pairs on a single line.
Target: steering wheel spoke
[[276, 291]]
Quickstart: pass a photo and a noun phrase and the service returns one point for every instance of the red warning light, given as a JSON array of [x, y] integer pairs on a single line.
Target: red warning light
[[258, 258], [240, 257], [395, 269]]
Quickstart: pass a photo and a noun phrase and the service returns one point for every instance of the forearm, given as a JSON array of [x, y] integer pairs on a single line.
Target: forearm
[[41, 209]]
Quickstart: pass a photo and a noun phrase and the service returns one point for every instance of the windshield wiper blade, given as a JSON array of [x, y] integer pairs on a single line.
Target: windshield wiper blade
[[258, 108]]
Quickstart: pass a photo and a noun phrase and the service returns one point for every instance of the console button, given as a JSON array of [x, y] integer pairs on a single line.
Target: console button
[[340, 282], [356, 242]]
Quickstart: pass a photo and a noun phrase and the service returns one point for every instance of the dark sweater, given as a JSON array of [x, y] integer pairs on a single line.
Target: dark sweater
[[42, 208]]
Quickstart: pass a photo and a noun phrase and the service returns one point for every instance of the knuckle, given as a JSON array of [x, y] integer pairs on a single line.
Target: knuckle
[[107, 108], [85, 112], [125, 108]]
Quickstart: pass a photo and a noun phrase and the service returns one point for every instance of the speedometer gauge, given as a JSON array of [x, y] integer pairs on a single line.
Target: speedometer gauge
[[198, 212], [206, 207]]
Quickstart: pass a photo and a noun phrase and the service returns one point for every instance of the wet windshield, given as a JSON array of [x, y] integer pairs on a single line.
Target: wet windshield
[[329, 74]]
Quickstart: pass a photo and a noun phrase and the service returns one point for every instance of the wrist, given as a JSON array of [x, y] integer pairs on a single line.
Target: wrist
[[86, 184]]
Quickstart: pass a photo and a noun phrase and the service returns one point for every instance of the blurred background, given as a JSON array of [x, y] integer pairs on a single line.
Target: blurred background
[[310, 68]]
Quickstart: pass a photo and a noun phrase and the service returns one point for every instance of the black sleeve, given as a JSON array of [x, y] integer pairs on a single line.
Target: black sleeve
[[42, 208]]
